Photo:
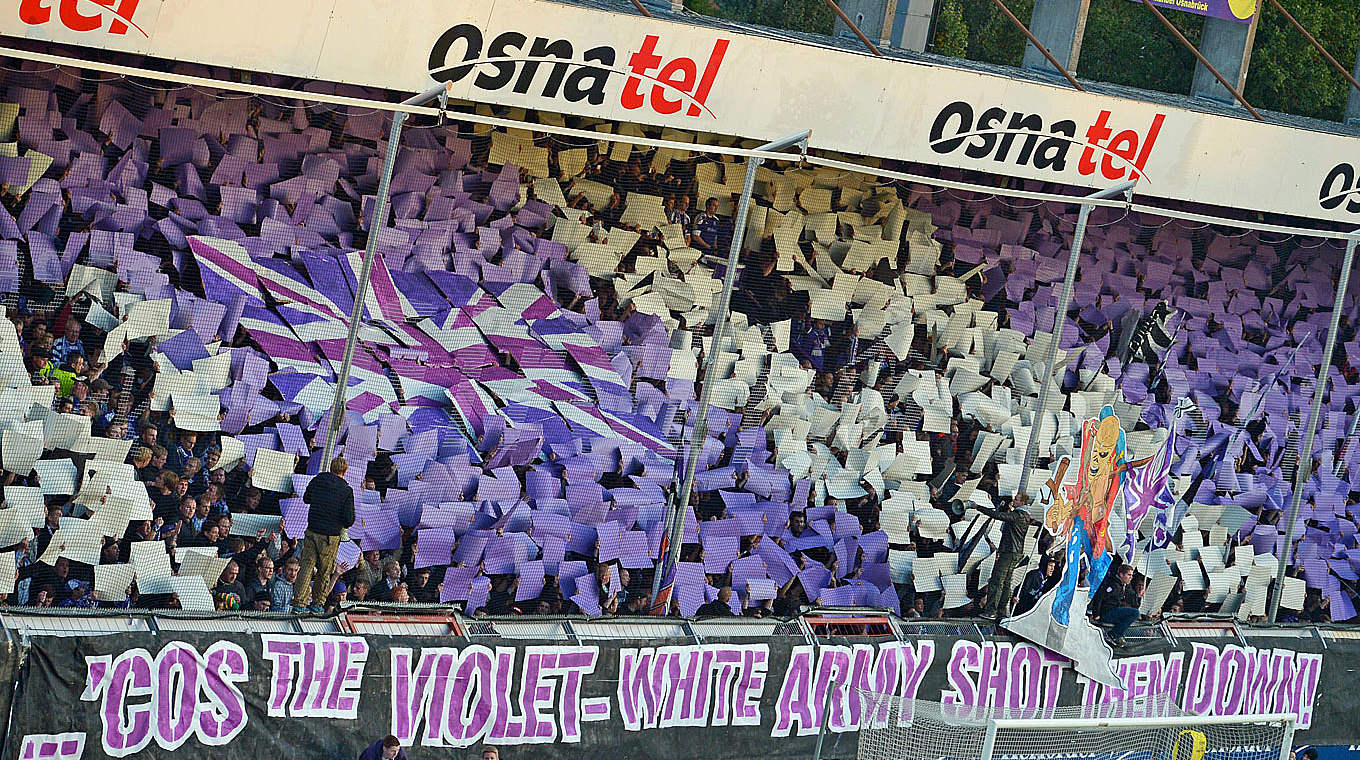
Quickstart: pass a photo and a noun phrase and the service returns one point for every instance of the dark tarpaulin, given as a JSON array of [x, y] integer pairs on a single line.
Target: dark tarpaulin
[[9, 658], [582, 710]]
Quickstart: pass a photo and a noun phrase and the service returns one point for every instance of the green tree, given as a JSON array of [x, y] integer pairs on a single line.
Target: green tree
[[992, 38], [1126, 44], [813, 16], [951, 31], [706, 7], [1288, 74]]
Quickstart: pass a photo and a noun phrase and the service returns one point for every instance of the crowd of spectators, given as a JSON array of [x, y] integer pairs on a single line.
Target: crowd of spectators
[[751, 548]]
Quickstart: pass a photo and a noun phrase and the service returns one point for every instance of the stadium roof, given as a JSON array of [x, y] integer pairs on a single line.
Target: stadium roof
[[760, 83], [1173, 100]]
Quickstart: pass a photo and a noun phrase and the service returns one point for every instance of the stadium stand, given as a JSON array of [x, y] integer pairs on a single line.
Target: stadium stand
[[178, 266]]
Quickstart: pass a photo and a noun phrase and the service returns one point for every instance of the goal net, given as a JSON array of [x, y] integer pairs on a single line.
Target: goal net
[[1149, 729]]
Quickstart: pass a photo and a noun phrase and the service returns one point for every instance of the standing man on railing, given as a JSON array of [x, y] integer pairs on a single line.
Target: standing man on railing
[[330, 513], [1016, 523]]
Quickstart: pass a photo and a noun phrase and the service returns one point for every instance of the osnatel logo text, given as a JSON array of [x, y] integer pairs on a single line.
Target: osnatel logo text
[[1021, 138], [551, 68], [1342, 185]]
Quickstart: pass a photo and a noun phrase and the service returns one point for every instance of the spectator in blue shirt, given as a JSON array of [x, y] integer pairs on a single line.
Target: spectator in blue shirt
[[69, 343], [811, 343], [676, 213], [281, 594], [844, 349], [182, 451], [80, 595], [217, 504], [704, 232], [202, 511], [194, 475]]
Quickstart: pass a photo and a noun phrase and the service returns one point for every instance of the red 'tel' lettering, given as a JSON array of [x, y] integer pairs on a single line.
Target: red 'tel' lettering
[[676, 82], [118, 12]]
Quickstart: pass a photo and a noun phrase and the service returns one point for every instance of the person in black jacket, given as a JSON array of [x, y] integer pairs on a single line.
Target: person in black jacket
[[1117, 603], [1036, 582], [388, 748], [330, 512], [718, 607], [1015, 524]]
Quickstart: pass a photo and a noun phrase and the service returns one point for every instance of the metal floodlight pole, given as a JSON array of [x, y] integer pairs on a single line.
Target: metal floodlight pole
[[677, 519], [1032, 449], [375, 226], [1304, 469]]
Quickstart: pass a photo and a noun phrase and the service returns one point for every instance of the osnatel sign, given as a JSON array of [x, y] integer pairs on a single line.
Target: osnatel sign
[[555, 57]]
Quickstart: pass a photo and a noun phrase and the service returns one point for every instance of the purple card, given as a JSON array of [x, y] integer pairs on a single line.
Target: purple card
[[814, 578], [610, 538], [531, 576], [470, 548], [295, 513], [747, 567], [587, 596], [719, 551], [760, 589], [554, 550], [378, 529], [635, 551], [434, 546], [689, 587], [503, 554], [347, 555], [457, 584], [290, 436], [479, 594], [738, 500]]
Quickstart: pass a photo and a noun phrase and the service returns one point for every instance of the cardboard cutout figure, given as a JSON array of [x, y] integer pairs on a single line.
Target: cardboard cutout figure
[[1078, 515]]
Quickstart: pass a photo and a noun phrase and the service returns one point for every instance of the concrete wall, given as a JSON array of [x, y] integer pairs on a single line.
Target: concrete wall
[[916, 35], [890, 23], [1227, 45], [868, 15], [1059, 25]]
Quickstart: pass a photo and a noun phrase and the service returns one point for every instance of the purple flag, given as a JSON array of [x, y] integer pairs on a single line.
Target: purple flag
[[1149, 488]]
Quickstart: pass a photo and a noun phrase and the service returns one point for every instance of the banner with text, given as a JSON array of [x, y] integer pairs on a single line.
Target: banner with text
[[583, 61], [283, 696], [1228, 10]]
